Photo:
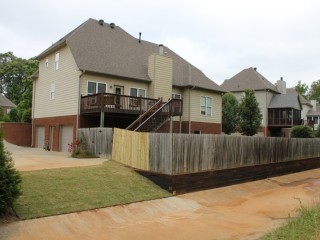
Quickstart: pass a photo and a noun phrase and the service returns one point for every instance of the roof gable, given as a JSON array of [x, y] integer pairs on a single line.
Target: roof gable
[[248, 78], [103, 49], [285, 101], [302, 99]]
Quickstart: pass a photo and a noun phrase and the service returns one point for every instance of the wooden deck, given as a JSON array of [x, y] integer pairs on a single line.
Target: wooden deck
[[123, 104], [115, 103]]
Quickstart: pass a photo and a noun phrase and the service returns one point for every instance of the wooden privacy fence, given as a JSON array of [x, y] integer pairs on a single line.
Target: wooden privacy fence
[[99, 140], [183, 153]]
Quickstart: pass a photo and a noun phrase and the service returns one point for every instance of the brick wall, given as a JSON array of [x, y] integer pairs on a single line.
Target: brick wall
[[55, 123], [17, 133], [203, 127]]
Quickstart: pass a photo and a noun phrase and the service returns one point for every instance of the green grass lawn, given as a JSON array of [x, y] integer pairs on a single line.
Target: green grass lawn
[[305, 226], [57, 191]]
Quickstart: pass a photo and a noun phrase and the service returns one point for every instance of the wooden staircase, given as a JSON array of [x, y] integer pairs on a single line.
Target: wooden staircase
[[156, 116]]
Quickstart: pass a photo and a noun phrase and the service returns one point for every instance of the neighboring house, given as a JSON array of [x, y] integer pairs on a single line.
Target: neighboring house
[[6, 104], [279, 110], [306, 105], [99, 75], [313, 115], [310, 113]]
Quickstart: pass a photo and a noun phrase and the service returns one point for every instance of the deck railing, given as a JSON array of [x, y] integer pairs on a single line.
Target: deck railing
[[115, 103]]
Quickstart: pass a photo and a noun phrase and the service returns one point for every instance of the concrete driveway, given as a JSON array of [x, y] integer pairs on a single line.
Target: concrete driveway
[[28, 159], [243, 211]]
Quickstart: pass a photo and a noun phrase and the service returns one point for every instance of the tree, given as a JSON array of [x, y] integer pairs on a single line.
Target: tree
[[302, 89], [315, 91], [10, 180], [15, 80], [302, 131], [250, 115], [230, 113], [13, 115]]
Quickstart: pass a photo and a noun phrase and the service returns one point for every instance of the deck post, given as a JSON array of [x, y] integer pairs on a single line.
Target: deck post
[[102, 119]]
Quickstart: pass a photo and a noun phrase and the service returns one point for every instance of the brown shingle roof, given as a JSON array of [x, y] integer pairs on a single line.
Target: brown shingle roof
[[5, 102], [302, 99], [248, 78], [285, 101], [102, 49]]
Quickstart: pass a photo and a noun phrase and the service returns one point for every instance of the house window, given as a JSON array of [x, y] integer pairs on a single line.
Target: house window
[[315, 119], [52, 91], [56, 61], [197, 132], [206, 106], [96, 87], [176, 96], [137, 92], [47, 63]]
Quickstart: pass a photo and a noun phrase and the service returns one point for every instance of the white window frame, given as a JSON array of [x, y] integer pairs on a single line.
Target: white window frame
[[206, 106], [97, 86], [52, 91], [138, 89], [175, 96], [46, 64], [56, 60]]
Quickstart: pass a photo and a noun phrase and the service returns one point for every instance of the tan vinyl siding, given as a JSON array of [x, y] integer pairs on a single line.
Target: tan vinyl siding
[[177, 91], [160, 72], [111, 82], [66, 82], [195, 114]]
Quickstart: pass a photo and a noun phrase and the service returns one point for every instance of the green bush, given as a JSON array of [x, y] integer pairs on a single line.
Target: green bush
[[302, 131], [26, 116], [10, 179], [13, 115], [317, 132]]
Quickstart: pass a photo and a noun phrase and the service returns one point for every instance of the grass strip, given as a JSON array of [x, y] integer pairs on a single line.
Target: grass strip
[[66, 190], [305, 226]]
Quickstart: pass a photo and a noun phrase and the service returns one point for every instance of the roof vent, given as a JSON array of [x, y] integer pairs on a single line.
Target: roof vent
[[161, 49], [255, 69], [101, 22], [139, 37], [112, 25]]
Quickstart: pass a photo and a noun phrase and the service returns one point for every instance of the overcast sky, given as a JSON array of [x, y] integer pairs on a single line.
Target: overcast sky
[[220, 37]]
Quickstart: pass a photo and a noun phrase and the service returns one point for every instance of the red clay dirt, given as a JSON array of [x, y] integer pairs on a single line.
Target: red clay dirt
[[243, 211]]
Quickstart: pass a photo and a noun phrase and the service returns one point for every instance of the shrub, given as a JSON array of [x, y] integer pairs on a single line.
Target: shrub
[[302, 131], [317, 132], [26, 116], [13, 115], [9, 180], [80, 148]]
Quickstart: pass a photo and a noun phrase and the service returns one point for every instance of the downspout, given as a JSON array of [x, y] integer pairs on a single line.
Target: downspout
[[267, 120], [189, 112], [79, 102], [33, 107]]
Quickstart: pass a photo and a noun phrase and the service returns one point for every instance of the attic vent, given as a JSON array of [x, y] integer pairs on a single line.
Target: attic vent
[[101, 22], [255, 69], [161, 49], [112, 25]]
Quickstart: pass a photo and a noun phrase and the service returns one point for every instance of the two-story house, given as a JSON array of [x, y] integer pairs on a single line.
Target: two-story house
[[280, 111], [99, 75]]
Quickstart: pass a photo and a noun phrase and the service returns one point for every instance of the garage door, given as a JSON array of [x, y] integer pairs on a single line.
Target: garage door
[[39, 136], [66, 137]]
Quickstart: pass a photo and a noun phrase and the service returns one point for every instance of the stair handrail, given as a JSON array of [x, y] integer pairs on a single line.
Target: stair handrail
[[156, 112], [159, 102]]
